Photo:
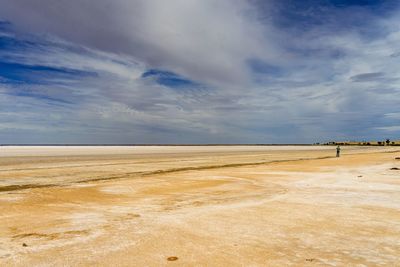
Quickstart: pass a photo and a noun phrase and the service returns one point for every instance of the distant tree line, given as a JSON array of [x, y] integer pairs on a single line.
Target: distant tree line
[[387, 142]]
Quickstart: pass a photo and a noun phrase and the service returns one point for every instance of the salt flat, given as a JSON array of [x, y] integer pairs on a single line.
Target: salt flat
[[204, 205]]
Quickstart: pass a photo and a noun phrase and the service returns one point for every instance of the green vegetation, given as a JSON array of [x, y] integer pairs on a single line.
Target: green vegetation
[[387, 142]]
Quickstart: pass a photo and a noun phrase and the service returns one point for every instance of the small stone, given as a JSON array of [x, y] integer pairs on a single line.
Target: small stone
[[172, 258], [395, 169], [24, 245]]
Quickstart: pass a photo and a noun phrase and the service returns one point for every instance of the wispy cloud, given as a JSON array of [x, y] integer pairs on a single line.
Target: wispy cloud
[[366, 77], [395, 128]]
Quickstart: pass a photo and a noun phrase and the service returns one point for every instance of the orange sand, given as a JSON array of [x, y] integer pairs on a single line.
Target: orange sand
[[199, 206]]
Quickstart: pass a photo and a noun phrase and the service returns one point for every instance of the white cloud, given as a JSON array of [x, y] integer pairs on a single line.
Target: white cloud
[[394, 115], [395, 128], [207, 41], [310, 93]]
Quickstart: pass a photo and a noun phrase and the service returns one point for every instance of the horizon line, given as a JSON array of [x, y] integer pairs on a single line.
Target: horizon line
[[230, 144]]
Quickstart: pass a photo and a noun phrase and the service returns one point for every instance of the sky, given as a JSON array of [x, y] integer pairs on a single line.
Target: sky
[[198, 71]]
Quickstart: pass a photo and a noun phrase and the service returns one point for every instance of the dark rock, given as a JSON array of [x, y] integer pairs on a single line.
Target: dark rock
[[24, 245]]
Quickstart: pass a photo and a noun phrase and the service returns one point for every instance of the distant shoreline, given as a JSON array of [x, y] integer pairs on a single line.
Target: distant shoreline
[[158, 145], [188, 145]]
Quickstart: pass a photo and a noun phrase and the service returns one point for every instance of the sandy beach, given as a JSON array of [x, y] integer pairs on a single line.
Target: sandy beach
[[199, 206]]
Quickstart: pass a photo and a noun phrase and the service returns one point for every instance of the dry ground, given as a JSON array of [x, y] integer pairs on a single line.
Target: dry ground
[[199, 206]]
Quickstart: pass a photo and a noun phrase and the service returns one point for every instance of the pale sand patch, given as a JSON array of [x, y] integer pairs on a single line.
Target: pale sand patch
[[26, 151], [117, 190], [11, 197]]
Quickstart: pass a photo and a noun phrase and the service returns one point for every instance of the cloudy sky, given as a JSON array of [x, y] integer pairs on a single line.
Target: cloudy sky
[[199, 71]]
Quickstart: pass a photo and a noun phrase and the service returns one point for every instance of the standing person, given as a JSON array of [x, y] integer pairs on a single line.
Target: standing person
[[338, 151]]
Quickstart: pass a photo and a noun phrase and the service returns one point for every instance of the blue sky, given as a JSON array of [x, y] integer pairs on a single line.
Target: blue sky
[[199, 71]]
